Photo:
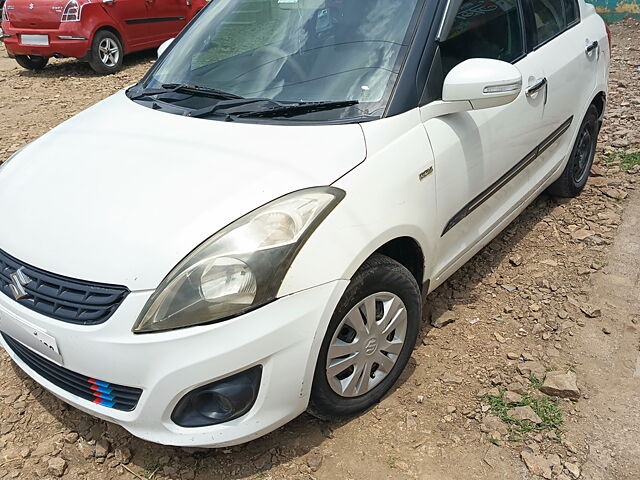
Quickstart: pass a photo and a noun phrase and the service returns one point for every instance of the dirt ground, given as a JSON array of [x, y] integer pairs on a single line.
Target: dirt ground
[[557, 291]]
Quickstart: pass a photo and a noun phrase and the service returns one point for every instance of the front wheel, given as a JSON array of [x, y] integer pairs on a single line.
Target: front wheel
[[369, 340], [106, 53], [576, 173], [32, 62]]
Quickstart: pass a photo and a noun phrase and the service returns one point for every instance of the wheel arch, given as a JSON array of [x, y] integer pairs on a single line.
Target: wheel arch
[[112, 29], [408, 252], [600, 102]]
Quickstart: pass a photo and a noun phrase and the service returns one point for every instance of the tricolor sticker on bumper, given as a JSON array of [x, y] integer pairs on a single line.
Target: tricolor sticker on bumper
[[102, 392]]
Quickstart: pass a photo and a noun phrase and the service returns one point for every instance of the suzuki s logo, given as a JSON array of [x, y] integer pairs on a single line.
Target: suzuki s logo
[[18, 281], [31, 6]]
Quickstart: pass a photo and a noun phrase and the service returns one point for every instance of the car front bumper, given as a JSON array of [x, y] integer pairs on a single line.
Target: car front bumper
[[283, 337], [66, 41]]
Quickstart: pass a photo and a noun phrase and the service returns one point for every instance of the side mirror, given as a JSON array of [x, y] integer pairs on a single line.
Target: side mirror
[[482, 82], [164, 46]]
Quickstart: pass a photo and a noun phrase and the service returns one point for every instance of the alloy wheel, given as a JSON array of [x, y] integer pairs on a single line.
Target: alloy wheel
[[366, 344], [109, 52]]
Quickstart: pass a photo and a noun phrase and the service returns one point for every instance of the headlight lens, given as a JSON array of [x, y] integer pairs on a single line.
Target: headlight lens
[[241, 267]]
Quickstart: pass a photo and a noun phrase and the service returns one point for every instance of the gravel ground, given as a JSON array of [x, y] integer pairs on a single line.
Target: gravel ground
[[556, 292]]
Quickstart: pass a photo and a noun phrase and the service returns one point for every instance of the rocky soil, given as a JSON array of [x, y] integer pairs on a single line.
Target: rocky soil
[[531, 372]]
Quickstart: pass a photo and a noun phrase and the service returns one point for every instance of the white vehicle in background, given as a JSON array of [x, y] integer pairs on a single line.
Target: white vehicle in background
[[246, 233]]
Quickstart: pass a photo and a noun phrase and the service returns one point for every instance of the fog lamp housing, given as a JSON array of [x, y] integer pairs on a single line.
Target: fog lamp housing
[[220, 401]]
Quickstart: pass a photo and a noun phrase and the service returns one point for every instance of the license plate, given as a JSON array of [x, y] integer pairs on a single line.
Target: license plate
[[33, 337], [35, 40]]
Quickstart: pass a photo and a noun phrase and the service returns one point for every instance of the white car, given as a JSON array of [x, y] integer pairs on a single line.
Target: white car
[[247, 232]]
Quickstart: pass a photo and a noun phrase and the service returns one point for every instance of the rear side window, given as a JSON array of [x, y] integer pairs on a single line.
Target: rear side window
[[484, 29], [552, 17]]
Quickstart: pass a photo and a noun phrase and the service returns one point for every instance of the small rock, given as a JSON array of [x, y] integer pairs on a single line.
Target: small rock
[[451, 379], [499, 337], [512, 397], [314, 461], [606, 331], [102, 448], [590, 311], [451, 409], [491, 423], [57, 466], [524, 413], [516, 260], [439, 321], [512, 356], [494, 392], [536, 463], [561, 384], [517, 387], [573, 469], [420, 399], [123, 455]]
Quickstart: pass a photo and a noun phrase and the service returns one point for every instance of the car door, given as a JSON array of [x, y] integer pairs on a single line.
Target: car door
[[166, 18], [570, 49], [129, 15], [482, 157]]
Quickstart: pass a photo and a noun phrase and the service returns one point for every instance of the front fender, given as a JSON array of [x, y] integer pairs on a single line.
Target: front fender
[[388, 196]]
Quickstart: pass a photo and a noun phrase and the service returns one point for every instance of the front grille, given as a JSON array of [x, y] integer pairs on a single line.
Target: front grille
[[62, 298], [97, 391]]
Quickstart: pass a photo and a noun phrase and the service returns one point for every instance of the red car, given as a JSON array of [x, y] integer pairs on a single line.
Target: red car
[[97, 31]]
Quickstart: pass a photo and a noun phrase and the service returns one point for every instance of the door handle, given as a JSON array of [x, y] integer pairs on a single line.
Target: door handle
[[533, 89], [591, 47]]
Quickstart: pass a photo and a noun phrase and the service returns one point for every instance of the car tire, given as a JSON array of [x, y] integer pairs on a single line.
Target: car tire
[[106, 53], [32, 62], [576, 173], [387, 288]]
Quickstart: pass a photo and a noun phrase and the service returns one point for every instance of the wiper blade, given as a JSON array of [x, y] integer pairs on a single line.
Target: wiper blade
[[210, 110], [181, 87], [200, 90], [300, 108]]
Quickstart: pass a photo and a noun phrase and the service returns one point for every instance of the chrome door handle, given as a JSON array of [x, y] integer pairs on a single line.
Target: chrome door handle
[[533, 89], [590, 48]]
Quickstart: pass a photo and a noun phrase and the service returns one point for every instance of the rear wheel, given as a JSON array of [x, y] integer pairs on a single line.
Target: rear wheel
[[106, 53], [32, 62], [369, 340], [576, 173]]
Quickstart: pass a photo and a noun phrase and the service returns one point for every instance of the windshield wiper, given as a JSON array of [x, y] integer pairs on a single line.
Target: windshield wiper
[[182, 87], [210, 110], [300, 108]]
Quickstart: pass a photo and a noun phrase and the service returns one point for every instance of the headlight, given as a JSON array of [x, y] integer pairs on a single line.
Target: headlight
[[71, 12], [241, 267]]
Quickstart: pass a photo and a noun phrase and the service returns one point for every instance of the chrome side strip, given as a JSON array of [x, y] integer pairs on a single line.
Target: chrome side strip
[[507, 177]]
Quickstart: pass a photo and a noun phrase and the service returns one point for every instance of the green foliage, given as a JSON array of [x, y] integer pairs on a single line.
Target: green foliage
[[548, 410], [626, 160]]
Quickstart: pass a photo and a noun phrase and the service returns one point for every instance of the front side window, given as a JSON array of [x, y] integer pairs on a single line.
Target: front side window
[[484, 29], [293, 51]]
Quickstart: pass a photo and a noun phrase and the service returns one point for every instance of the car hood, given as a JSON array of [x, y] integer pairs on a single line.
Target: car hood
[[121, 193]]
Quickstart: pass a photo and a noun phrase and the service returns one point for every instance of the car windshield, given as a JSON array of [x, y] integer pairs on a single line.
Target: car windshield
[[343, 53]]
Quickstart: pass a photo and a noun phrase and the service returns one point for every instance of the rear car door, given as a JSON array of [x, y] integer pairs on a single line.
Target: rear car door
[[165, 18], [129, 15], [570, 48], [482, 156]]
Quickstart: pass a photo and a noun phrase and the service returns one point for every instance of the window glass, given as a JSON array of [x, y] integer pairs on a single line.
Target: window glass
[[571, 11], [553, 16], [294, 50], [484, 29]]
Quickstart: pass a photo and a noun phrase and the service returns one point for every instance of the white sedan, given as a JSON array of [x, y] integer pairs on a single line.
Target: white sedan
[[247, 232]]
